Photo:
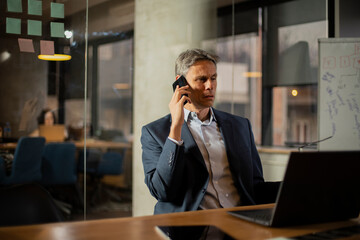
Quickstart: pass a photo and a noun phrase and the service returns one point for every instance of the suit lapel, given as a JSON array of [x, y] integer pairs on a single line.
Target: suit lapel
[[190, 144], [227, 132]]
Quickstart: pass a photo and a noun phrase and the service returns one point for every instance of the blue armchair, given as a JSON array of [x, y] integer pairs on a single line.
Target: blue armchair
[[58, 164], [26, 166], [59, 175]]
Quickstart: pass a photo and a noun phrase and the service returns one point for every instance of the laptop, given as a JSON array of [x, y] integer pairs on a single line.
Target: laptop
[[317, 187], [52, 133]]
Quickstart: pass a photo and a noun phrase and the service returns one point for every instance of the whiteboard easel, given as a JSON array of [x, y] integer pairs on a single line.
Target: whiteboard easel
[[339, 93]]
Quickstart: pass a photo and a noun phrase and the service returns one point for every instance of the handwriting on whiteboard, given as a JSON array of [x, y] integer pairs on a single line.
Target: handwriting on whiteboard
[[340, 79]]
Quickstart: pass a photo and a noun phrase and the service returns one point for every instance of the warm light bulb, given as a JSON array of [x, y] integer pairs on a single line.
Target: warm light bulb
[[294, 92]]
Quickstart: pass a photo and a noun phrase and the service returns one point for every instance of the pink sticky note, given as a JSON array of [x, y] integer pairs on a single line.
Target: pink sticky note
[[47, 47], [26, 45]]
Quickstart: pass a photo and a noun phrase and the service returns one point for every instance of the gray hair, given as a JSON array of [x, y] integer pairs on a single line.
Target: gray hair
[[186, 59]]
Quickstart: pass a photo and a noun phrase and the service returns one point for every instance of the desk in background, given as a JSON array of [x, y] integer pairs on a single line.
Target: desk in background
[[81, 144], [143, 227], [120, 181], [103, 145]]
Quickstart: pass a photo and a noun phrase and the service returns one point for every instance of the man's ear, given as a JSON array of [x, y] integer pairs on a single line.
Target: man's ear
[[177, 77]]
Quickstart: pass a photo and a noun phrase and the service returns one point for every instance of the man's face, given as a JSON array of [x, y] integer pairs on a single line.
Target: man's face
[[201, 78]]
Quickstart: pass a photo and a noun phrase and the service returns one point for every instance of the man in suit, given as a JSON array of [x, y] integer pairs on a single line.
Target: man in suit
[[198, 157]]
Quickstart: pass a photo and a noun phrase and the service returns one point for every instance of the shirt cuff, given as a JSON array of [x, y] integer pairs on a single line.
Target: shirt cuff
[[179, 143]]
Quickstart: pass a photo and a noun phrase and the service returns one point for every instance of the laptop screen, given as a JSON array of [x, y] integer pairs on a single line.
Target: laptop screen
[[53, 133], [319, 187]]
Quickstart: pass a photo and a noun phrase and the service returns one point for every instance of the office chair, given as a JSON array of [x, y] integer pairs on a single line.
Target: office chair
[[2, 169], [93, 157], [111, 163], [99, 164], [58, 164], [26, 166], [27, 204], [59, 175]]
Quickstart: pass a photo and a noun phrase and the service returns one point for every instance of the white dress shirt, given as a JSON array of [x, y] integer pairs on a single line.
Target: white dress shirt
[[220, 191]]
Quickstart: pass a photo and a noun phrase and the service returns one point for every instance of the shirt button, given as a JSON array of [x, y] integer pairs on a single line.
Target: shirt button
[[227, 195]]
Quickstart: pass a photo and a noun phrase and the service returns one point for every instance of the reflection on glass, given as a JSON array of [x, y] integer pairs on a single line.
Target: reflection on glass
[[115, 91], [239, 78], [294, 104], [295, 115]]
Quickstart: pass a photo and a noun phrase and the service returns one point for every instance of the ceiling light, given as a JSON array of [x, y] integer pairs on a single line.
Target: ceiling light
[[55, 57]]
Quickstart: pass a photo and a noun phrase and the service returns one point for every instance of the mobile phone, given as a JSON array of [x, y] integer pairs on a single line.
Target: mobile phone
[[194, 232], [181, 81]]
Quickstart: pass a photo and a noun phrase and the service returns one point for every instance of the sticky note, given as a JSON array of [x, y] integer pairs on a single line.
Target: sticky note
[[47, 47], [57, 29], [13, 25], [34, 27], [26, 45], [34, 7], [14, 6], [57, 10]]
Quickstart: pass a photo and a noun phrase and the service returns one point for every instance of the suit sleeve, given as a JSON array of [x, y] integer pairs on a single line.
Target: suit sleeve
[[163, 165]]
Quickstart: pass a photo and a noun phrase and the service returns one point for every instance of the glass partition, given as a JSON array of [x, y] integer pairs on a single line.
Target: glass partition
[[104, 68], [70, 81]]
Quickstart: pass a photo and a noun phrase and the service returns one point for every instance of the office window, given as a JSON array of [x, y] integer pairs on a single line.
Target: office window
[[292, 70], [239, 69], [239, 78], [268, 68]]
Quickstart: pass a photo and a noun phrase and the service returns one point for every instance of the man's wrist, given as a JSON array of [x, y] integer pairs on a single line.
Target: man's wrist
[[179, 143]]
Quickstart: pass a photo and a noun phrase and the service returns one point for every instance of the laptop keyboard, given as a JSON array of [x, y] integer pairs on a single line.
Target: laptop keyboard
[[261, 214], [257, 215]]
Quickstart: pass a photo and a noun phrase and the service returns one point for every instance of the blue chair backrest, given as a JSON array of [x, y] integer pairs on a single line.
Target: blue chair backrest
[[93, 157], [26, 166], [2, 169], [111, 164], [59, 165]]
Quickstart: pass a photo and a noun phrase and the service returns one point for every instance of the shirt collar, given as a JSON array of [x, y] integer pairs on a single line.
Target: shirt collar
[[187, 114]]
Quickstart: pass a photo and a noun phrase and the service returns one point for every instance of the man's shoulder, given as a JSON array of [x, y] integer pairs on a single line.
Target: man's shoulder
[[228, 116], [163, 121]]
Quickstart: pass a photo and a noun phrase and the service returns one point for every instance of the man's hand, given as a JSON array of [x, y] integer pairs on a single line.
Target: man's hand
[[176, 107]]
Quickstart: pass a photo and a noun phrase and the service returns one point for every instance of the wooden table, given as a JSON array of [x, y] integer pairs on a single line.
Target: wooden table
[[103, 145], [8, 146], [143, 227], [80, 144]]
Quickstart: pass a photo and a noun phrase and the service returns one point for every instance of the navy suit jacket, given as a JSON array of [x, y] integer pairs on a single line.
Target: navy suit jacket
[[177, 176]]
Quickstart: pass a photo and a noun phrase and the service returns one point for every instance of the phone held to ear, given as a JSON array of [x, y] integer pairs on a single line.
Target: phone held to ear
[[181, 81]]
